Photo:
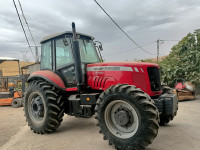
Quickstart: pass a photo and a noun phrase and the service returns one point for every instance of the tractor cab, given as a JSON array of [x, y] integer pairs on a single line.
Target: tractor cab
[[57, 55]]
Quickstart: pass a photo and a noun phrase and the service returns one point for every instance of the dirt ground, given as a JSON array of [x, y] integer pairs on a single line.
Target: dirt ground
[[74, 134], [11, 121]]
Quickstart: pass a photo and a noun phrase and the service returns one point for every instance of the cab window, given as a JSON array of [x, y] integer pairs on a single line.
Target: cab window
[[63, 53], [46, 56], [88, 51]]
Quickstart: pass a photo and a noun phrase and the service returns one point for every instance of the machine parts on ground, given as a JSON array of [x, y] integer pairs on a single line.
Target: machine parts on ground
[[10, 90], [184, 90], [13, 98], [125, 97]]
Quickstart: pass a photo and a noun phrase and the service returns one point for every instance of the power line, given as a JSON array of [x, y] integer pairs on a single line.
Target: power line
[[121, 28], [23, 28], [26, 22], [37, 58], [162, 50], [24, 53], [129, 49], [171, 40]]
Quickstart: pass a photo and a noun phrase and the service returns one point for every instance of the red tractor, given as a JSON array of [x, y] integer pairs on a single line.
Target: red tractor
[[126, 97]]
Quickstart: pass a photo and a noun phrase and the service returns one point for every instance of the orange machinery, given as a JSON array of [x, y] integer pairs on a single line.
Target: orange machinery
[[11, 98]]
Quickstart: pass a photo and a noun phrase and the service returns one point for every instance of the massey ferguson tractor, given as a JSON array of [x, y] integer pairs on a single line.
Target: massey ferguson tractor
[[125, 97]]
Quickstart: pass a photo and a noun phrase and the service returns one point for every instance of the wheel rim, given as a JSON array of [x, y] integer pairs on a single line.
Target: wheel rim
[[121, 119], [36, 108]]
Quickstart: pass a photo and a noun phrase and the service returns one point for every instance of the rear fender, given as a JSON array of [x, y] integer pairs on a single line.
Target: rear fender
[[49, 76]]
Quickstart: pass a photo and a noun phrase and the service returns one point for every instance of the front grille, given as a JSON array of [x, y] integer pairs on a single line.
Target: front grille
[[154, 78]]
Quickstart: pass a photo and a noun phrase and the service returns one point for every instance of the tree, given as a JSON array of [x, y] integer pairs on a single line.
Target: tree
[[183, 61]]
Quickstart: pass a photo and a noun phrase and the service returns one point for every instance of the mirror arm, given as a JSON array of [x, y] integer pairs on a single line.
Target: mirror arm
[[99, 53]]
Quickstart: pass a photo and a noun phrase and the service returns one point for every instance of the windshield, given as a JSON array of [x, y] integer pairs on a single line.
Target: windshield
[[64, 54], [88, 51]]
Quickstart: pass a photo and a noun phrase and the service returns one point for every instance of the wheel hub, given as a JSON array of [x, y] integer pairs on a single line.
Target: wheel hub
[[121, 117], [37, 107]]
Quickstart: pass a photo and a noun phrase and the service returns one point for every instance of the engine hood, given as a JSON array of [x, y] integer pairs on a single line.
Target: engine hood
[[123, 64], [100, 76]]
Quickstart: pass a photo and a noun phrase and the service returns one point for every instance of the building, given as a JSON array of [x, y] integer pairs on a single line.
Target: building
[[10, 66], [29, 69]]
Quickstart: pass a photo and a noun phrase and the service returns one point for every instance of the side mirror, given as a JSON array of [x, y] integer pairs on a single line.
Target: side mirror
[[100, 45], [65, 41]]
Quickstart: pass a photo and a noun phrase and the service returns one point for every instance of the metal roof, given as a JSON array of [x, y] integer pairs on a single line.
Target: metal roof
[[63, 33], [26, 67], [2, 59]]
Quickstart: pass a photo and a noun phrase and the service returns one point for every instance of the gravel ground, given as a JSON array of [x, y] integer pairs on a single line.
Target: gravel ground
[[77, 133]]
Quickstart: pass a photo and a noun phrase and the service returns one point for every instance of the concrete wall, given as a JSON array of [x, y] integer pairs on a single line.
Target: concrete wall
[[34, 68]]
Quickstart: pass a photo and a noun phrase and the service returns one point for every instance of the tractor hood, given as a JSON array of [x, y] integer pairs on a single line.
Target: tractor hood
[[119, 66], [146, 76]]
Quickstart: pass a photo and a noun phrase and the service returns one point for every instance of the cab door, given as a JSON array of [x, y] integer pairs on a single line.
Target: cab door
[[64, 62]]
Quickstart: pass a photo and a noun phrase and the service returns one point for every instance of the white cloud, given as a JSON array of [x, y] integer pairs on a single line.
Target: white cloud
[[145, 21]]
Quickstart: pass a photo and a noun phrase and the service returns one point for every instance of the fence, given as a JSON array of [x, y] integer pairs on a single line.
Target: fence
[[14, 81]]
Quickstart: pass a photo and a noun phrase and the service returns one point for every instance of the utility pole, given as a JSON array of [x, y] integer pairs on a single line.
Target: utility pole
[[158, 47], [36, 53]]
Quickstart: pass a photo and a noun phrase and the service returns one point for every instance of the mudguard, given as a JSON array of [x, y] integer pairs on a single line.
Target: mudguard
[[49, 76]]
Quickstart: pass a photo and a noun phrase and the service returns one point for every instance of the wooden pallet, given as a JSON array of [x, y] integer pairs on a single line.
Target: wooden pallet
[[184, 95]]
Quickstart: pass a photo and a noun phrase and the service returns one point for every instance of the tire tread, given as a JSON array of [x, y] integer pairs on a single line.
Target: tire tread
[[54, 105]]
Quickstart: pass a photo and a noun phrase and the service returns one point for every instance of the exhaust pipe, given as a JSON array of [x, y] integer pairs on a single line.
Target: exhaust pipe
[[77, 59]]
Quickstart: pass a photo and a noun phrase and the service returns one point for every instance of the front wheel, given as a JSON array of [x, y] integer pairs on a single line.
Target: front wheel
[[127, 117]]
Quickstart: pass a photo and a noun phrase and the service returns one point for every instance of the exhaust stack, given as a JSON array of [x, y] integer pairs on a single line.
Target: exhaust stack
[[77, 59]]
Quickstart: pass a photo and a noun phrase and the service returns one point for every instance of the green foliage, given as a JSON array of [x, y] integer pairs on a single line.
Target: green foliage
[[183, 61]]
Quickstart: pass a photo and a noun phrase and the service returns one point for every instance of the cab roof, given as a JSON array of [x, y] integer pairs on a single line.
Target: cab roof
[[63, 33]]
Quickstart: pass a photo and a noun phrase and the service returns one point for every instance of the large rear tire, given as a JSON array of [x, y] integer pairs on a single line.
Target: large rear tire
[[43, 107], [127, 117]]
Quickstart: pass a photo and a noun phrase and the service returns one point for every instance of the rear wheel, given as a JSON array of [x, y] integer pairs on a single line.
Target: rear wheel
[[43, 106], [127, 117]]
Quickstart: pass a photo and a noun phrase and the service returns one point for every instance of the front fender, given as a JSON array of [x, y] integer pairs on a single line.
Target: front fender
[[49, 76]]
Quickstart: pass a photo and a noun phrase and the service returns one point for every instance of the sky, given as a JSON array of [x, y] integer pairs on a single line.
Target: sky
[[144, 21]]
